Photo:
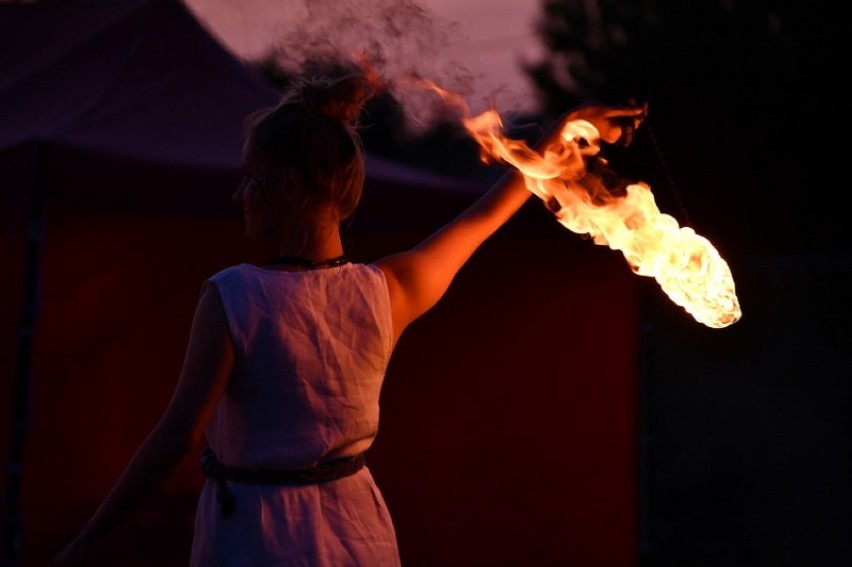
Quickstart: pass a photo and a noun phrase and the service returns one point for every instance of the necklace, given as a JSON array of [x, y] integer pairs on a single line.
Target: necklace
[[307, 263]]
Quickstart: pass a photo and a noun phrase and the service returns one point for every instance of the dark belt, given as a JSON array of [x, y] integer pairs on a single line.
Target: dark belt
[[323, 472]]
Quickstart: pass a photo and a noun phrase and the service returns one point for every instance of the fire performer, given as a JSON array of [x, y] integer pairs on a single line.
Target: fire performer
[[285, 361]]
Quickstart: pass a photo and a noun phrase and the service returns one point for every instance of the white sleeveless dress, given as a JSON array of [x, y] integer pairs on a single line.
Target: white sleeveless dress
[[311, 348]]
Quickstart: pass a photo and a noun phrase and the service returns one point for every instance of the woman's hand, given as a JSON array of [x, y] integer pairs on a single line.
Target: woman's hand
[[615, 124]]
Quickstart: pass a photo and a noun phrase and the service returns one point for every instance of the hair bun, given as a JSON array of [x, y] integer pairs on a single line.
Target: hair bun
[[340, 98]]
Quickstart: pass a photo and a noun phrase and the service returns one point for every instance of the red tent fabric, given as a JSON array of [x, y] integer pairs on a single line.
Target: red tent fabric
[[507, 431]]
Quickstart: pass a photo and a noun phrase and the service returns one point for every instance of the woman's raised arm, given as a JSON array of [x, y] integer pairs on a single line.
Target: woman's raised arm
[[419, 277]]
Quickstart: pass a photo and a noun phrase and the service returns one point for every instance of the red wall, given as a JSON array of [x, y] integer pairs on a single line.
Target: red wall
[[508, 433]]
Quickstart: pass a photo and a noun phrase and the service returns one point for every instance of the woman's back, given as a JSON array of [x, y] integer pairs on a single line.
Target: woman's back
[[311, 352]]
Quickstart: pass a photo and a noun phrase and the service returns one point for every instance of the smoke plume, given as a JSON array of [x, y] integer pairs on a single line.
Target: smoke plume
[[401, 40]]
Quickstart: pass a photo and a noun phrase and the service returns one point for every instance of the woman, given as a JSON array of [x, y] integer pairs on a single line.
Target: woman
[[285, 361]]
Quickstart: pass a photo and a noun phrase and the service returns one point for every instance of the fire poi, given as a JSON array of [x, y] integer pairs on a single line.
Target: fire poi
[[686, 265]]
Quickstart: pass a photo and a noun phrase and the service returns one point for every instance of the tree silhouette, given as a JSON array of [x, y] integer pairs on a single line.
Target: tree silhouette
[[752, 53]]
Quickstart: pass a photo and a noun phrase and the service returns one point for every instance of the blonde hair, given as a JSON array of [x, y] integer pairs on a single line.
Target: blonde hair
[[311, 137]]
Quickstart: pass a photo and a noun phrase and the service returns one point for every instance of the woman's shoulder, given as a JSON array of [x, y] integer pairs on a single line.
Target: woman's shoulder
[[370, 272], [231, 273], [235, 269]]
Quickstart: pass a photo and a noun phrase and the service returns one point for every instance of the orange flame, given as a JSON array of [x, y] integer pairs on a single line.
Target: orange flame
[[686, 265]]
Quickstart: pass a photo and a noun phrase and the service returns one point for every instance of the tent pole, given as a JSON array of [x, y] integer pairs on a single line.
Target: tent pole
[[21, 396]]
